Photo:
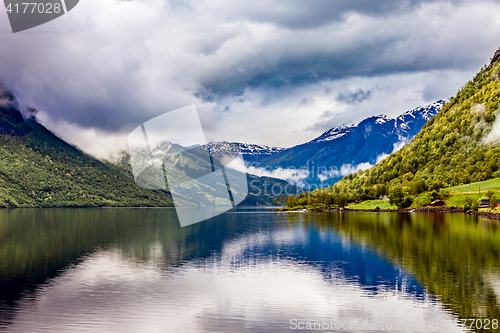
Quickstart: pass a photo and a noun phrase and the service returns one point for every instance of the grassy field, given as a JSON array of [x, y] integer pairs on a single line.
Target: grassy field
[[372, 204], [492, 184], [459, 193], [457, 200]]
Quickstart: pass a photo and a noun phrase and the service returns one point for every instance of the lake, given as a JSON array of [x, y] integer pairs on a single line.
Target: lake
[[249, 270]]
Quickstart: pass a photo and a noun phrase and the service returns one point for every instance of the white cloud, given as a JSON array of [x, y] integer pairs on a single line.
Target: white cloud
[[343, 171], [122, 295], [347, 169], [101, 144], [398, 145], [293, 176], [381, 157], [493, 136]]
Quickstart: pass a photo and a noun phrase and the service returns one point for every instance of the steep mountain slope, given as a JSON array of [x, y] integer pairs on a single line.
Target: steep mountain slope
[[459, 145], [37, 169]]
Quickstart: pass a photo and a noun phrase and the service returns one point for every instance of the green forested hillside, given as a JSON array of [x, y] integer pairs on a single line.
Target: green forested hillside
[[37, 169], [455, 147], [458, 146]]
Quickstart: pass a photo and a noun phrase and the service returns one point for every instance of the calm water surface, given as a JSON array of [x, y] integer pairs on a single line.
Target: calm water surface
[[136, 270]]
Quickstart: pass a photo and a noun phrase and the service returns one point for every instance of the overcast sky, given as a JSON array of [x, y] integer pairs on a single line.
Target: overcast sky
[[275, 72]]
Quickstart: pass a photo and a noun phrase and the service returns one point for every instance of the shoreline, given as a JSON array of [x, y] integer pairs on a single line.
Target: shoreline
[[489, 215]]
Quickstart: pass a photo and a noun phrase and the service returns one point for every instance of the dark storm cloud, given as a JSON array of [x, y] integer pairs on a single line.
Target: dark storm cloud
[[298, 14], [325, 122], [112, 64], [352, 97], [381, 56]]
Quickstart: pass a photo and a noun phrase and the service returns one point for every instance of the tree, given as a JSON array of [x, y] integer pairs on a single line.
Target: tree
[[396, 195], [444, 193], [407, 201], [418, 186], [475, 206], [493, 202], [343, 200], [381, 190], [490, 195], [399, 197], [435, 195], [329, 200], [303, 201], [436, 185], [275, 201], [282, 199], [468, 203], [292, 201]]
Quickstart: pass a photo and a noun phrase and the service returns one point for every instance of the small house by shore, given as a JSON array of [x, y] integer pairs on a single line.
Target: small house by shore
[[485, 203], [437, 203]]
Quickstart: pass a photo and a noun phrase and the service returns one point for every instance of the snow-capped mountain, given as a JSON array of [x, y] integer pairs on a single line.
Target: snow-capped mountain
[[406, 125], [334, 133], [250, 152], [421, 115], [340, 150]]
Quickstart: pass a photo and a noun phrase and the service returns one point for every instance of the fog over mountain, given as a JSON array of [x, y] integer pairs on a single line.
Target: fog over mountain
[[335, 153]]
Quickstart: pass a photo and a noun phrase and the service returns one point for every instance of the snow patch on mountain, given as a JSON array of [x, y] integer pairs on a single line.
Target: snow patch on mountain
[[333, 137], [334, 133], [382, 119], [424, 112], [225, 148]]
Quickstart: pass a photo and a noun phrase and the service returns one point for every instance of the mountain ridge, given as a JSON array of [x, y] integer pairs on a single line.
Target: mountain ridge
[[346, 145]]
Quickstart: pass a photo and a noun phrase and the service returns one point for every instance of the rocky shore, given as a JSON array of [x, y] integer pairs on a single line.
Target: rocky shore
[[411, 210], [490, 215]]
